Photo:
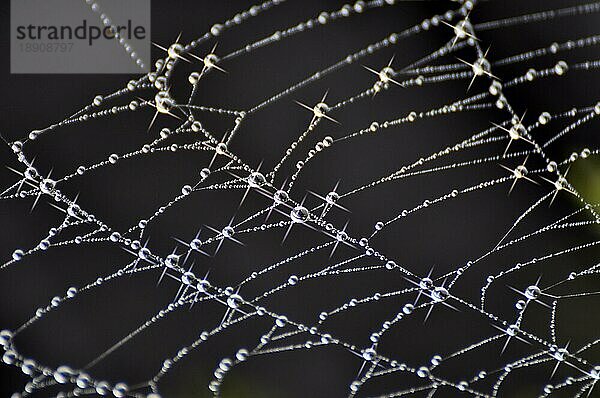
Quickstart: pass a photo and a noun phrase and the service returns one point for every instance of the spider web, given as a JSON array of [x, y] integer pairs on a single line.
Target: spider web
[[317, 273]]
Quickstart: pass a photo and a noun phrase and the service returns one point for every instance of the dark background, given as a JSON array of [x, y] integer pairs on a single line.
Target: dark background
[[443, 237]]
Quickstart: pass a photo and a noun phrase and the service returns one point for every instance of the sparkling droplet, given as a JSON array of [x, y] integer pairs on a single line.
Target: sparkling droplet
[[18, 254], [205, 172], [144, 253], [517, 131], [299, 214], [369, 354], [73, 210], [440, 294], [512, 330], [194, 77], [188, 278], [320, 109], [544, 118], [461, 29], [115, 236], [172, 260], [332, 197], [242, 354], [211, 60], [423, 372], [235, 301], [481, 66], [281, 321], [532, 292], [221, 148], [62, 374], [103, 388], [83, 380], [31, 173], [175, 50], [281, 196], [228, 231], [44, 244], [256, 179], [47, 185], [120, 390], [561, 68], [186, 189], [9, 357], [426, 283], [520, 171], [203, 285], [196, 244], [5, 337], [17, 146], [386, 74], [163, 101], [585, 153]]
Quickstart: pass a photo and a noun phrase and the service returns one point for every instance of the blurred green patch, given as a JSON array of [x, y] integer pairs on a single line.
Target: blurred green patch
[[585, 177]]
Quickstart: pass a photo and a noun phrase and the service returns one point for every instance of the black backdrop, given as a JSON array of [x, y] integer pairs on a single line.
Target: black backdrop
[[443, 238]]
